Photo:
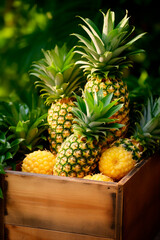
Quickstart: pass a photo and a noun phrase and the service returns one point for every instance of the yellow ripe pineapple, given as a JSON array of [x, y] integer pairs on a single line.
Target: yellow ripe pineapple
[[39, 162], [58, 78], [99, 177], [104, 57], [116, 162], [79, 154], [123, 155]]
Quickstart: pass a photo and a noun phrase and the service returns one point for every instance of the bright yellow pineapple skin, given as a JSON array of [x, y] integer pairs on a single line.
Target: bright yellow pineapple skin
[[116, 162], [39, 162], [99, 177], [60, 120]]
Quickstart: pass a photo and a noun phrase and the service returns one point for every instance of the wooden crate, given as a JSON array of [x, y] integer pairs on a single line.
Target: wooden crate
[[42, 207]]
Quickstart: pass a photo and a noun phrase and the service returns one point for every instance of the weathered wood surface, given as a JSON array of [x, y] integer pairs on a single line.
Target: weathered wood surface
[[41, 207], [60, 204], [27, 233], [141, 201]]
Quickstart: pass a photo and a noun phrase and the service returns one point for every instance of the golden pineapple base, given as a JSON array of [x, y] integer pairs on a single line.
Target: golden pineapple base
[[116, 162], [39, 162], [45, 207]]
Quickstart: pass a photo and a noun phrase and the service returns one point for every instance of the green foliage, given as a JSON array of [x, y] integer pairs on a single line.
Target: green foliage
[[140, 88], [8, 148], [107, 53], [146, 127], [93, 114], [1, 193], [22, 127], [24, 123], [28, 26], [57, 74]]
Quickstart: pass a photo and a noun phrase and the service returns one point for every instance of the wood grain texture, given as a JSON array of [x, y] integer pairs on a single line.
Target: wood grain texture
[[2, 208], [27, 233], [61, 204], [119, 213], [141, 201], [41, 207]]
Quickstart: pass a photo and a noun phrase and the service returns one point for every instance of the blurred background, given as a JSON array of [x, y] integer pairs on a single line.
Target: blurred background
[[28, 26]]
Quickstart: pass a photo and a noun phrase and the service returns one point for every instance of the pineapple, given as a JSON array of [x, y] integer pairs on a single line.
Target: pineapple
[[99, 177], [58, 78], [104, 58], [39, 162], [120, 158], [79, 154]]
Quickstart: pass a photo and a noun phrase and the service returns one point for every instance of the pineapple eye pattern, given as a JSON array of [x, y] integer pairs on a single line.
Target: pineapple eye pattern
[[60, 121]]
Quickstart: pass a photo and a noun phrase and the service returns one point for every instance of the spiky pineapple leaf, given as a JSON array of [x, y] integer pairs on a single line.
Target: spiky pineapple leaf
[[148, 128], [108, 24], [93, 113], [95, 31], [58, 76], [106, 54]]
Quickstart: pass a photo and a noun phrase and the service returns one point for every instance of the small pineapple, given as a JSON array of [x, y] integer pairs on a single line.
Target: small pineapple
[[123, 155], [58, 78], [39, 162], [99, 177], [79, 154], [104, 57], [116, 162]]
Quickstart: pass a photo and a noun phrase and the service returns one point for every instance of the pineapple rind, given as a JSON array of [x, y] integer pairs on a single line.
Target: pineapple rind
[[76, 158], [116, 162], [60, 120], [39, 162], [99, 177], [131, 145]]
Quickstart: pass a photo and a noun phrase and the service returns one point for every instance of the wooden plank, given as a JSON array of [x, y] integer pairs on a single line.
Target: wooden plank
[[61, 204], [119, 213], [141, 200], [2, 208], [27, 233]]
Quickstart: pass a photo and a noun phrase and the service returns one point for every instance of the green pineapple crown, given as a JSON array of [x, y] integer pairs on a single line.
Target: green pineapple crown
[[148, 128], [107, 53], [94, 114], [58, 75]]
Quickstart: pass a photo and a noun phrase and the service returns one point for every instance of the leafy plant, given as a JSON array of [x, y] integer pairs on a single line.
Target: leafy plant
[[25, 124], [8, 148], [28, 26], [140, 88], [22, 127]]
